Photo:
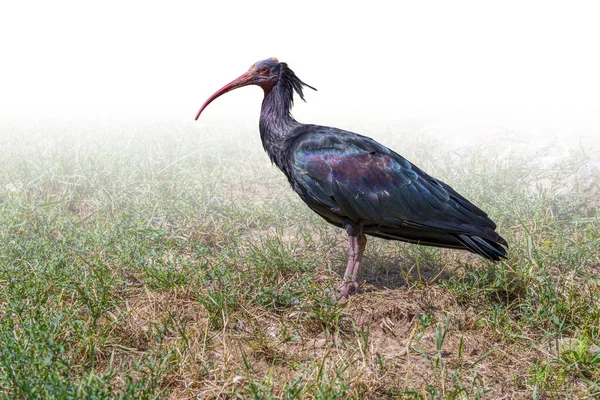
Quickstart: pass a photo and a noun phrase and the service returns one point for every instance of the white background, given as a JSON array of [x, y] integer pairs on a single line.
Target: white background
[[537, 63]]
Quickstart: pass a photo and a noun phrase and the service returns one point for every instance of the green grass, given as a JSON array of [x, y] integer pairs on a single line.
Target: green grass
[[170, 261]]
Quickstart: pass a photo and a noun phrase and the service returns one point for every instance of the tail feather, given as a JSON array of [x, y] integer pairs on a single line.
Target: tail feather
[[486, 243], [484, 247]]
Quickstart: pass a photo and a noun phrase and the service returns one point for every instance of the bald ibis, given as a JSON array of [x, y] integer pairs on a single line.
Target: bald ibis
[[358, 184]]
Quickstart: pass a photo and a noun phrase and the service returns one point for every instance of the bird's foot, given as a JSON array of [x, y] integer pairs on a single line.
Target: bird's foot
[[345, 289]]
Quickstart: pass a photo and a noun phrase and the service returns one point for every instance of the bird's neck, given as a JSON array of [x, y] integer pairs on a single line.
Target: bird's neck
[[276, 121]]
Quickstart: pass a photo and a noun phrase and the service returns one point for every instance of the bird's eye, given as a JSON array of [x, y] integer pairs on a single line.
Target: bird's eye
[[264, 71]]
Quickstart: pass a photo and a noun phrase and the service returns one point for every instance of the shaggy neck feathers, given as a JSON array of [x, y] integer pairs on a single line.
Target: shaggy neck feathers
[[276, 121]]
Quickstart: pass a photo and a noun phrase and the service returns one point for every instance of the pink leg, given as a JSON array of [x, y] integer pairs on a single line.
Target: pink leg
[[356, 248], [362, 244]]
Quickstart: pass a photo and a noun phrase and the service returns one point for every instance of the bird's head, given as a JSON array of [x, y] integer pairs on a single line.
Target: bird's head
[[266, 74]]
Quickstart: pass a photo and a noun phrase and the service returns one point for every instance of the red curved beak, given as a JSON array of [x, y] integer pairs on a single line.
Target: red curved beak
[[244, 80]]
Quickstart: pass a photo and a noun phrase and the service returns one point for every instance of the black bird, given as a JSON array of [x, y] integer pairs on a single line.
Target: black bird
[[360, 185]]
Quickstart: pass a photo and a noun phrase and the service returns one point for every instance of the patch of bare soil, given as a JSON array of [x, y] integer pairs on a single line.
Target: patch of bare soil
[[397, 333]]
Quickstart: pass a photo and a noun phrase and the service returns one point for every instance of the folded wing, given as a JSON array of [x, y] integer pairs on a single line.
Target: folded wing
[[344, 175]]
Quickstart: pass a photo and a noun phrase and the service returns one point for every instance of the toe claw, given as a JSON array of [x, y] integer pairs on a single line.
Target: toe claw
[[344, 290]]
